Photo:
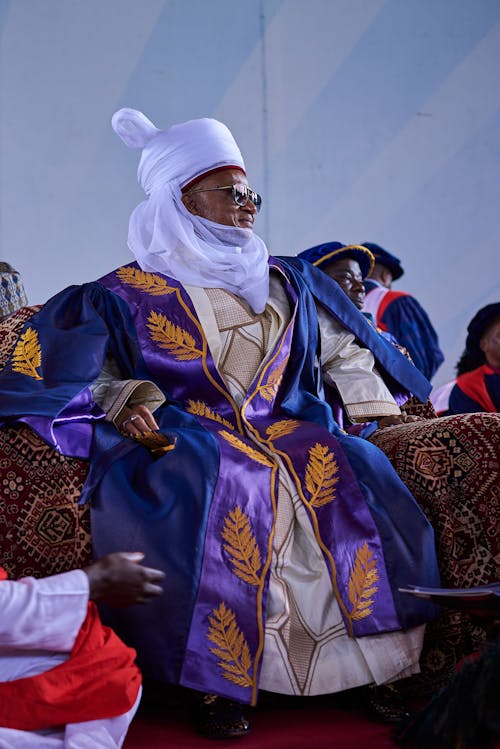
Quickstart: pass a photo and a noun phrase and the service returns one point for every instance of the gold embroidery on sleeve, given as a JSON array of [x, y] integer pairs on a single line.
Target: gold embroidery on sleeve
[[200, 408], [27, 355], [244, 448], [174, 339], [281, 428], [362, 581], [321, 475], [150, 283], [241, 545], [231, 646], [269, 390]]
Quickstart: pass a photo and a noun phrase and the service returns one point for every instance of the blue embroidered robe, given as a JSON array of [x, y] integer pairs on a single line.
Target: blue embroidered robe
[[205, 510]]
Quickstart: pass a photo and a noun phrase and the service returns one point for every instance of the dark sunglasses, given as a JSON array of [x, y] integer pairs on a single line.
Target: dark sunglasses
[[240, 194]]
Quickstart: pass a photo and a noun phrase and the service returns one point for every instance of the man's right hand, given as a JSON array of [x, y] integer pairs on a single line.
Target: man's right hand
[[119, 579]]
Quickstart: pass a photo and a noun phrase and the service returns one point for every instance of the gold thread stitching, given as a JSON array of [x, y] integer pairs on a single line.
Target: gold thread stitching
[[242, 547], [235, 442], [281, 428], [173, 338], [150, 283], [27, 355], [200, 408], [362, 581], [269, 390], [321, 475], [231, 647]]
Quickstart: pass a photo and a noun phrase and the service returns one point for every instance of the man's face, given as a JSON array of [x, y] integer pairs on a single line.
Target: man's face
[[218, 205], [347, 273], [490, 344]]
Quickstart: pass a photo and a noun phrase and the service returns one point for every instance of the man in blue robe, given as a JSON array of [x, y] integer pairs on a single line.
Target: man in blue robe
[[193, 381], [399, 313]]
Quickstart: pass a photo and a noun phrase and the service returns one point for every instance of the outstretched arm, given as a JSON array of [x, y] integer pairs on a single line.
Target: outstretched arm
[[120, 580]]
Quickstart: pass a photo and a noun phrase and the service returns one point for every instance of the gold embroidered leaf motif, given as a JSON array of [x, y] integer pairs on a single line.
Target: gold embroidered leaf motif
[[244, 448], [241, 546], [151, 283], [199, 408], [269, 390], [321, 475], [362, 581], [230, 646], [281, 428], [174, 339], [27, 355]]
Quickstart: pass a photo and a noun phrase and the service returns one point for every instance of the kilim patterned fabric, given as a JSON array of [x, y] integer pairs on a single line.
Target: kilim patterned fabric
[[452, 467], [42, 528]]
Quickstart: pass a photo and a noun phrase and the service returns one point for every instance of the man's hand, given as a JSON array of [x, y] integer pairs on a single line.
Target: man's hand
[[137, 420], [391, 421], [120, 580]]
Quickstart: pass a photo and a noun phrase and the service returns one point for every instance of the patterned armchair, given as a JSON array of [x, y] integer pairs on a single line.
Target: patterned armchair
[[450, 464], [42, 528]]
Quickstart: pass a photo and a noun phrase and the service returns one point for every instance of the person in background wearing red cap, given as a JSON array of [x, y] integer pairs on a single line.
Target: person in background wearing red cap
[[400, 313]]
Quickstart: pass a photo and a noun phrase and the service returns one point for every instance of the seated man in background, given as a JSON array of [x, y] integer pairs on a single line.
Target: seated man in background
[[65, 680], [400, 313], [192, 380], [349, 265]]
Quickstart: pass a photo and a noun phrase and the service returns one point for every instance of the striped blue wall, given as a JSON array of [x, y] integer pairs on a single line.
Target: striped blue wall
[[359, 120]]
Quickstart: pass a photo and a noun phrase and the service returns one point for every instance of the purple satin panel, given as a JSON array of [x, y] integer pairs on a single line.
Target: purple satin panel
[[70, 433], [186, 375], [244, 489], [345, 523]]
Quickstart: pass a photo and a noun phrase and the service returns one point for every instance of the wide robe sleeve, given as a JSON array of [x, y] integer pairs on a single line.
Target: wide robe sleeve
[[350, 368], [114, 394], [43, 614], [399, 374], [62, 350]]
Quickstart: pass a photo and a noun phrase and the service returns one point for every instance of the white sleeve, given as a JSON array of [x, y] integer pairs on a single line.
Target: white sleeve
[[350, 368], [43, 614], [113, 394]]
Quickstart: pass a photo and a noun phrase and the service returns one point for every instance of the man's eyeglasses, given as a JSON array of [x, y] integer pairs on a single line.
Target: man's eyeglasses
[[240, 194]]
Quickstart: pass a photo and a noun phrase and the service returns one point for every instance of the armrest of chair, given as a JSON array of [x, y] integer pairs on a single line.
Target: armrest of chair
[[414, 407]]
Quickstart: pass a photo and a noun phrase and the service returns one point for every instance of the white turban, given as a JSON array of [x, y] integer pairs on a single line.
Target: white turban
[[163, 235]]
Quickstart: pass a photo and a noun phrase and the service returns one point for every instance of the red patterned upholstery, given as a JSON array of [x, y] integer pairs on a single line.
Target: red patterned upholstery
[[452, 467], [42, 528]]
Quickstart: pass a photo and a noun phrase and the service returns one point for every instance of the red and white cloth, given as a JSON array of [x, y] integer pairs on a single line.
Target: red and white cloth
[[66, 681]]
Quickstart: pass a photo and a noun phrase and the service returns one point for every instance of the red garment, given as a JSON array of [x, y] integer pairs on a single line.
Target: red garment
[[99, 680], [473, 385], [388, 297]]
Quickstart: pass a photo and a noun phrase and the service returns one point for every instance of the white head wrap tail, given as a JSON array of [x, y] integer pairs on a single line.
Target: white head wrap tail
[[133, 127], [163, 235]]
